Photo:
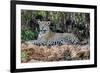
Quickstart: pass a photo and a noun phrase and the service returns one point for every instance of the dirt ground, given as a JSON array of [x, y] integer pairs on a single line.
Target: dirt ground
[[33, 53]]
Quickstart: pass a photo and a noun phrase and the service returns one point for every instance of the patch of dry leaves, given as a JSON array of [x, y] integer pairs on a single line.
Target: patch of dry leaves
[[56, 53]]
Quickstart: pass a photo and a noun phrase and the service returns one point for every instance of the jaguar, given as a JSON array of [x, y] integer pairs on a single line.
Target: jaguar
[[47, 37]]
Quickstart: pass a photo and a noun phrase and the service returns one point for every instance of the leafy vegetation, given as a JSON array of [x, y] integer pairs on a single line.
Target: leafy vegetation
[[28, 34], [24, 56]]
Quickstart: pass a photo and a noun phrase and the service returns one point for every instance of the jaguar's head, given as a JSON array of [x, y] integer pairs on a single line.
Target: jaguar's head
[[44, 28]]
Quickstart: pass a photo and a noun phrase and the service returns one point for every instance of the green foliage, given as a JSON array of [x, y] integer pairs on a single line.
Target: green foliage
[[28, 35], [39, 17], [24, 56], [25, 17]]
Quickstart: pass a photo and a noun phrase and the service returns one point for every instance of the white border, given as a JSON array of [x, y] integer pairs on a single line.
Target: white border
[[20, 65]]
